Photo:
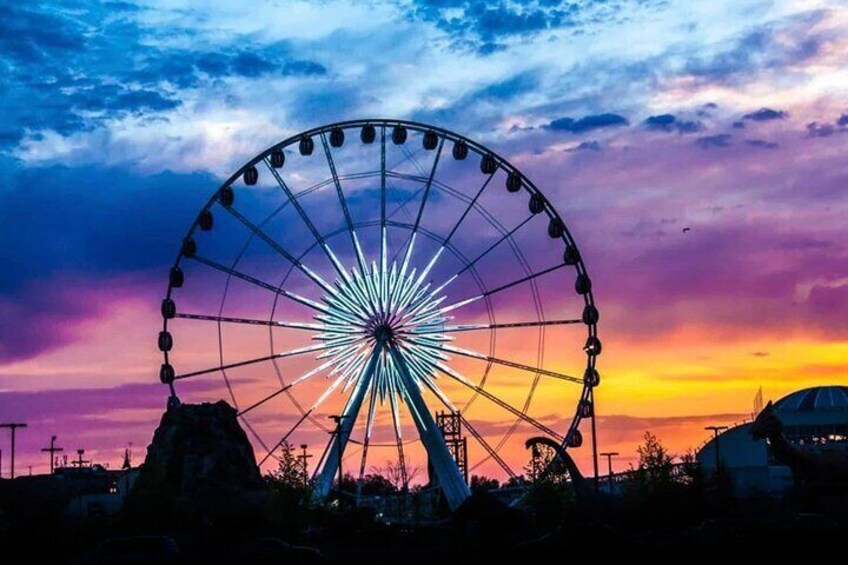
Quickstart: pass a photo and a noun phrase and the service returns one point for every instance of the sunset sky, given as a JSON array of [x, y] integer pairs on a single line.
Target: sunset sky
[[637, 119]]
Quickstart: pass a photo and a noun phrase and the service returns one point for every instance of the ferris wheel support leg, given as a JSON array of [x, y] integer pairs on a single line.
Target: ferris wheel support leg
[[324, 480], [450, 479]]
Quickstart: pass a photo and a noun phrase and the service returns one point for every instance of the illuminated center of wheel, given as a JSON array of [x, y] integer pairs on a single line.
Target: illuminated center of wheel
[[394, 313]]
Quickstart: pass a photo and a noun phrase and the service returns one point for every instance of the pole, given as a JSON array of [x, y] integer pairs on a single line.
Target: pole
[[52, 450], [12, 428], [594, 439], [303, 459], [716, 431], [609, 455]]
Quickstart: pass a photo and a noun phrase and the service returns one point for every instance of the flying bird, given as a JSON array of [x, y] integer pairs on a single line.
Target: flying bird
[[687, 230]]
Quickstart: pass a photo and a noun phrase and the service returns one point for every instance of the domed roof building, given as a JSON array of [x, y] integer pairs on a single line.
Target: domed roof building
[[814, 419]]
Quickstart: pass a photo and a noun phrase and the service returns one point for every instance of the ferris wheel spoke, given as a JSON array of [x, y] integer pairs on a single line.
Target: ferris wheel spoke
[[410, 156], [339, 356], [251, 321], [497, 361], [446, 241], [506, 406], [305, 218], [474, 327], [488, 448], [290, 353], [285, 437], [255, 435], [262, 284], [503, 238], [281, 250], [461, 303], [469, 208], [426, 194], [343, 202]]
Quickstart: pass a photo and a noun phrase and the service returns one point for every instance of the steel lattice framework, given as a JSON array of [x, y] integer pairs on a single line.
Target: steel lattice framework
[[383, 324]]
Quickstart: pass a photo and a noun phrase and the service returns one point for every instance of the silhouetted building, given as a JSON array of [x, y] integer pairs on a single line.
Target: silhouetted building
[[814, 419], [87, 492]]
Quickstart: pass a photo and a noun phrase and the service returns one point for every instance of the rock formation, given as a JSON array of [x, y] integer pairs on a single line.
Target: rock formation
[[200, 465]]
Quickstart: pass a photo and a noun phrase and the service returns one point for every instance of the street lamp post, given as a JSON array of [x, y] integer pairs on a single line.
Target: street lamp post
[[12, 427], [52, 450], [303, 459], [716, 432], [609, 455]]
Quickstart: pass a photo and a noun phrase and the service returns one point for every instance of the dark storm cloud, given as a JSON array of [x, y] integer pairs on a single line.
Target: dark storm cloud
[[71, 230], [766, 115], [84, 227], [762, 144], [713, 141], [669, 122], [587, 123], [739, 125]]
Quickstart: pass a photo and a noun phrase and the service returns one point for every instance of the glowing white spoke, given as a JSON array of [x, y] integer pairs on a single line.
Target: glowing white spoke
[[490, 359], [303, 216], [291, 353], [280, 249], [473, 327], [250, 321]]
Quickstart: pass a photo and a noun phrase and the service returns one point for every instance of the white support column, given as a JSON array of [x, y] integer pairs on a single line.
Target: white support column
[[324, 480], [450, 479]]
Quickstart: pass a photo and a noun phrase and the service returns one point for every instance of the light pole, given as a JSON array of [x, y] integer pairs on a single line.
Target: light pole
[[303, 457], [52, 450], [716, 432], [12, 427], [609, 455]]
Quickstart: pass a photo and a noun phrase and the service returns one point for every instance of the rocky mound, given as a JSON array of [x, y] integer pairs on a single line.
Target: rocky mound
[[199, 466]]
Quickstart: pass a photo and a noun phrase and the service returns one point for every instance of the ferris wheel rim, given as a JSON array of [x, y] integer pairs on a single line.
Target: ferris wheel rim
[[478, 148]]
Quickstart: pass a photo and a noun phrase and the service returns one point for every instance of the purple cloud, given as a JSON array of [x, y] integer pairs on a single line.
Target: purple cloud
[[713, 141], [587, 123], [766, 115]]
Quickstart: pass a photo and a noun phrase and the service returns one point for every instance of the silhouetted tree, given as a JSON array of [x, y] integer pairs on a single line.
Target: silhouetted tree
[[399, 477], [483, 484], [656, 465], [290, 472]]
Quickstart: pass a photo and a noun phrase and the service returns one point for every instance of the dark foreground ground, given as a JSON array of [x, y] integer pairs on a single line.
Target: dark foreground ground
[[772, 530]]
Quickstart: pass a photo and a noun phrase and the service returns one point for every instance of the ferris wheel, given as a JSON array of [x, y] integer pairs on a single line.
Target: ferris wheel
[[353, 288]]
